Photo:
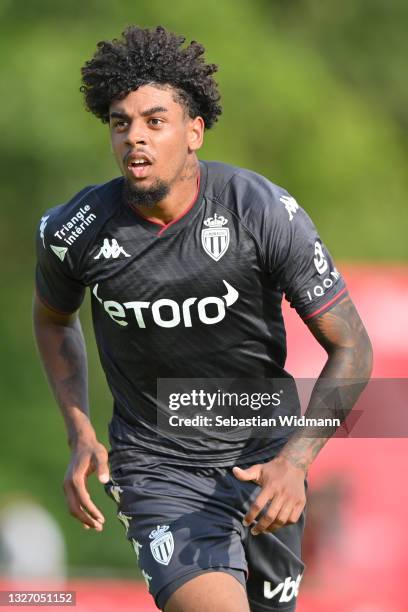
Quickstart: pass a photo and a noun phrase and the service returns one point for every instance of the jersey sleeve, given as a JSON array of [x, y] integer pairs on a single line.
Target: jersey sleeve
[[55, 278], [299, 261]]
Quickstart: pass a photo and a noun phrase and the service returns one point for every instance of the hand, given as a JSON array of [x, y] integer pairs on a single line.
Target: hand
[[282, 497], [87, 457]]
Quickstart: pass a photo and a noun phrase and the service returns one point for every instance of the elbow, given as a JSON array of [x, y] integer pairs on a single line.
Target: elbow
[[354, 358]]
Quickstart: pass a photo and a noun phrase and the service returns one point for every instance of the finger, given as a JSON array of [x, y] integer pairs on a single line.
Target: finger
[[97, 525], [76, 484], [282, 519], [256, 507], [269, 517], [102, 466], [85, 500], [252, 473], [296, 513], [76, 511]]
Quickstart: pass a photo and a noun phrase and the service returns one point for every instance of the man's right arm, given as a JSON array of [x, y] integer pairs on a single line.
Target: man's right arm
[[62, 350]]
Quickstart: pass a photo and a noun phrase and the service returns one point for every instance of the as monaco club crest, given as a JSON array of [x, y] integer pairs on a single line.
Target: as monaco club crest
[[215, 239], [162, 546]]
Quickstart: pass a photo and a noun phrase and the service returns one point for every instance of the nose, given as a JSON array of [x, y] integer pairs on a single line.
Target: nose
[[136, 134]]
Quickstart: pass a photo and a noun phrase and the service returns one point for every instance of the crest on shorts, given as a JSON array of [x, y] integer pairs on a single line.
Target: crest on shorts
[[162, 546], [215, 239]]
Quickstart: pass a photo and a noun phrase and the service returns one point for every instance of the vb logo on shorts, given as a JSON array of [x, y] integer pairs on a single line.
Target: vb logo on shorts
[[162, 546], [287, 589]]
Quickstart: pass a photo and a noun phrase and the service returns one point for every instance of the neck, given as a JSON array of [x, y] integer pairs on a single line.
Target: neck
[[182, 193]]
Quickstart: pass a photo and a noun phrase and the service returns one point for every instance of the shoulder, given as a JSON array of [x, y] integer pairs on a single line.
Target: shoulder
[[82, 216], [89, 202], [252, 197]]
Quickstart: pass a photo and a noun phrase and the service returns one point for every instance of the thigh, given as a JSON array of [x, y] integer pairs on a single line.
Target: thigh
[[209, 592], [179, 526]]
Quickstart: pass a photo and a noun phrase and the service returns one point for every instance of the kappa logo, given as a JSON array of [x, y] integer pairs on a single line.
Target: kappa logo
[[43, 225], [146, 578], [215, 239], [288, 589], [112, 250], [137, 546], [162, 547], [115, 492], [125, 520], [59, 251], [290, 204]]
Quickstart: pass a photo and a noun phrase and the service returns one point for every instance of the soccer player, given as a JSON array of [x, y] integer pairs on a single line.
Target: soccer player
[[187, 262]]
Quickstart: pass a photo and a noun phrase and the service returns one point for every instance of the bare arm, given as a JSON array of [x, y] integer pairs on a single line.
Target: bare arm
[[347, 370], [341, 333], [62, 349]]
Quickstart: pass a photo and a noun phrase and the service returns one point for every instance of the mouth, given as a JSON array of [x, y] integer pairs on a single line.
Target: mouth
[[138, 165]]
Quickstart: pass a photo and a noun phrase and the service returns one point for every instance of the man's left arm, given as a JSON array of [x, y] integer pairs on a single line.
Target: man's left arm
[[281, 500]]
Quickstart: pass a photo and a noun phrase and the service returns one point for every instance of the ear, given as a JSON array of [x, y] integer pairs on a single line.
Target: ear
[[195, 133]]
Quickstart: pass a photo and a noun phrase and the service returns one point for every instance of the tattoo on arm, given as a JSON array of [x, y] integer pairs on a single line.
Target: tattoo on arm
[[63, 354], [342, 334], [72, 389]]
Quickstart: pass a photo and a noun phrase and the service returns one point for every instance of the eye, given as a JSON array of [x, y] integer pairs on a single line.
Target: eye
[[120, 125], [155, 121]]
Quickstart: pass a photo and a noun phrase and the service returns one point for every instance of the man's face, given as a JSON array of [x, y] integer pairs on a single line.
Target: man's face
[[153, 140]]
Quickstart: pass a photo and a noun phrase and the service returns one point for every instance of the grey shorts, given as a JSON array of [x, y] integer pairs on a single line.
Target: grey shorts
[[183, 522]]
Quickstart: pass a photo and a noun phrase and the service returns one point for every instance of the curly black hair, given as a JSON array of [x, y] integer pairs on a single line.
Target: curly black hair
[[150, 56]]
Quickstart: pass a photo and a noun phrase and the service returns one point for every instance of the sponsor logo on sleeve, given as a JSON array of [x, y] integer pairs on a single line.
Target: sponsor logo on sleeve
[[162, 546], [290, 204], [321, 288], [215, 239], [77, 225], [320, 260]]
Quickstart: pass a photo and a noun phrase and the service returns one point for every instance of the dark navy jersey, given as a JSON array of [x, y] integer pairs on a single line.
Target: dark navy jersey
[[197, 298]]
